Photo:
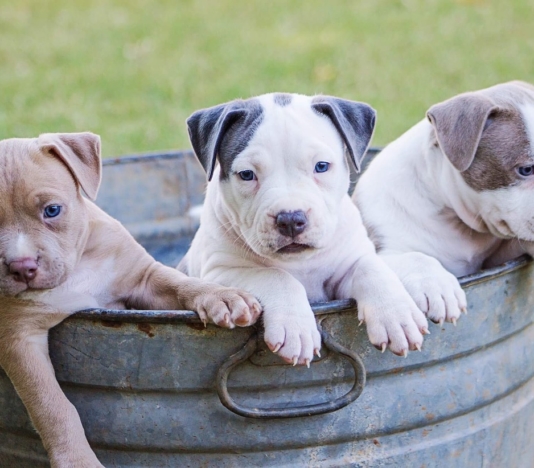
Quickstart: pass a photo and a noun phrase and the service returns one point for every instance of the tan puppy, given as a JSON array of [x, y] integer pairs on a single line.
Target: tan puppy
[[60, 253]]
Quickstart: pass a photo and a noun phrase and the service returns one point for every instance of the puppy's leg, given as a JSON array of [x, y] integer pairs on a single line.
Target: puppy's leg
[[391, 316], [435, 291], [290, 327], [24, 356], [144, 283], [161, 287]]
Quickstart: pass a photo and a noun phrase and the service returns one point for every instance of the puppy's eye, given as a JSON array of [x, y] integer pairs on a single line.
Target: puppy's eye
[[525, 171], [247, 175], [51, 211], [322, 166]]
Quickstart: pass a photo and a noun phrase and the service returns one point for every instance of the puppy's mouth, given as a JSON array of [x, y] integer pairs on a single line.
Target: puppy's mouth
[[293, 248]]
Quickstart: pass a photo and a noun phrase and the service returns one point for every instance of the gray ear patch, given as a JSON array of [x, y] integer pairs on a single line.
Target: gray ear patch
[[354, 121], [282, 99], [458, 123], [238, 136], [222, 132]]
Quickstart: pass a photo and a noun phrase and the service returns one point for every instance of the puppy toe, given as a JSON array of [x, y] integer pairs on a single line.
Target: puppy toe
[[398, 343], [436, 307], [316, 339], [292, 347], [307, 349], [203, 315], [420, 320], [413, 335], [452, 308], [421, 301], [275, 337], [378, 335], [253, 305], [240, 312], [459, 293], [220, 315]]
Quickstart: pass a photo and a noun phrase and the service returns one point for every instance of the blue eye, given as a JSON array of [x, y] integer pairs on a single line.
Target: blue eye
[[247, 175], [526, 171], [322, 166], [51, 211]]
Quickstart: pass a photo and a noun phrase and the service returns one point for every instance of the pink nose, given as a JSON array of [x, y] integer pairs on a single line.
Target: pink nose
[[24, 269]]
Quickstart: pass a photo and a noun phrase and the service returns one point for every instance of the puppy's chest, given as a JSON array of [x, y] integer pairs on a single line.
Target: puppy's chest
[[315, 282], [95, 279]]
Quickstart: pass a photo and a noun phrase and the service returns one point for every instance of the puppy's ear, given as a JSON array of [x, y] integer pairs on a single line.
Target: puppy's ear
[[80, 152], [355, 122], [207, 128], [459, 123]]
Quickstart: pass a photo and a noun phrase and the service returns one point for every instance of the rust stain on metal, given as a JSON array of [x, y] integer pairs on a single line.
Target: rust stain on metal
[[430, 416], [376, 442], [110, 324], [145, 328], [196, 326]]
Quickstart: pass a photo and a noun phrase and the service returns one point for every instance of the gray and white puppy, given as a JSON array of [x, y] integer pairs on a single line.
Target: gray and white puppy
[[454, 194], [278, 222]]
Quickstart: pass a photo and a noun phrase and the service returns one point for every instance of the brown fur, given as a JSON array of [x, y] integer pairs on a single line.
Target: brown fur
[[504, 146], [85, 258], [483, 134]]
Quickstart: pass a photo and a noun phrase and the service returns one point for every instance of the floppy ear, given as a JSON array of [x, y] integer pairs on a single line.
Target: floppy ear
[[459, 123], [355, 122], [207, 128], [80, 152]]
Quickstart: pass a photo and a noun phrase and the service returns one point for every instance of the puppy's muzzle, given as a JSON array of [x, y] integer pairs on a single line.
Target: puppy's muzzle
[[291, 223], [23, 270]]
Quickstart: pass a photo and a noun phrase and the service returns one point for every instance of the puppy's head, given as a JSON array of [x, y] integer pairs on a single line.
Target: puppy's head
[[283, 165], [488, 137], [43, 221]]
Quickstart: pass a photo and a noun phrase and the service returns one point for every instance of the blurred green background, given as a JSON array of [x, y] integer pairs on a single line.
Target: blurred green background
[[133, 70]]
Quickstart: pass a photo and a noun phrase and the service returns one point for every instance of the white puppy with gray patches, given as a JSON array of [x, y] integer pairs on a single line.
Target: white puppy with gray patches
[[454, 194], [278, 222]]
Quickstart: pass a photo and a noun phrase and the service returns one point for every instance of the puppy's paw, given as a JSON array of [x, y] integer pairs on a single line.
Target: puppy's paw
[[436, 292], [294, 338], [395, 322], [228, 307]]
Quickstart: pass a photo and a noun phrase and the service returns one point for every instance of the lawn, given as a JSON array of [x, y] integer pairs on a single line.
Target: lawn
[[133, 70]]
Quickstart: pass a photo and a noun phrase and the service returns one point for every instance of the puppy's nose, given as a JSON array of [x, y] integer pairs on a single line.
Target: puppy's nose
[[291, 223], [24, 269]]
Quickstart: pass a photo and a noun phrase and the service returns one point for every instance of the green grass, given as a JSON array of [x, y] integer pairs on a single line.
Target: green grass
[[133, 70]]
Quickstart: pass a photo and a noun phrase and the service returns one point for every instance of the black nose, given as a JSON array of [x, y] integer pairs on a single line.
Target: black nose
[[291, 223]]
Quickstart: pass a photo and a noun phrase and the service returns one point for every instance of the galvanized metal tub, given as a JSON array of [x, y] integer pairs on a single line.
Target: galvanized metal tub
[[145, 383]]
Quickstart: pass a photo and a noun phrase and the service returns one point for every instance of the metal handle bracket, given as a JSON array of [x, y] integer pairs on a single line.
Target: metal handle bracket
[[293, 412]]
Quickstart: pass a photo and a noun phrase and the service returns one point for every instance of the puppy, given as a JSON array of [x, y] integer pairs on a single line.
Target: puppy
[[60, 253], [278, 222], [454, 194]]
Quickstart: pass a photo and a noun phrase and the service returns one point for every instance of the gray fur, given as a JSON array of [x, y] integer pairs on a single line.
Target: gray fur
[[222, 132], [355, 122], [484, 136], [282, 99]]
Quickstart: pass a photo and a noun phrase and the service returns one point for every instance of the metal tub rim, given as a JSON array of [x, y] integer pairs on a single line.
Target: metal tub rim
[[319, 309]]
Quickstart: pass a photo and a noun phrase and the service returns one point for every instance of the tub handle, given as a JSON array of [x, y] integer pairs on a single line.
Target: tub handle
[[293, 412]]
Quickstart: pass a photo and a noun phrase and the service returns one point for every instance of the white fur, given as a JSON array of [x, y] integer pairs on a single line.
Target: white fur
[[413, 196], [237, 243], [24, 247]]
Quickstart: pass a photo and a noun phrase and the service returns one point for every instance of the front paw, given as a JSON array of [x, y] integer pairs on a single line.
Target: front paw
[[294, 338], [228, 307], [436, 292], [396, 323]]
